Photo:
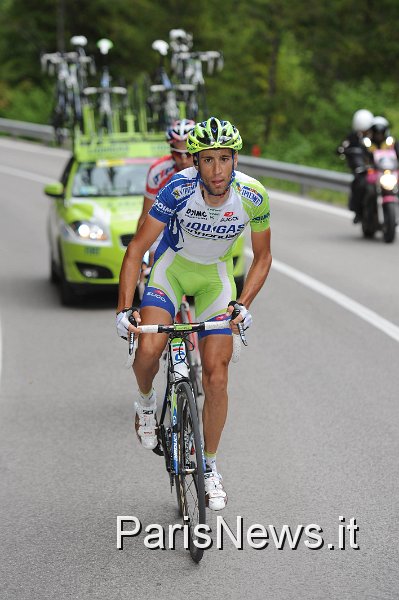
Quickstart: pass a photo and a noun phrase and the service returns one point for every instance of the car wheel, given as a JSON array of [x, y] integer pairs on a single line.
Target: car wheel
[[68, 296], [54, 275]]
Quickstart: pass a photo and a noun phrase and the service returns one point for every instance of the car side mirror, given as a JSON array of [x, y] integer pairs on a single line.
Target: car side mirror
[[54, 190]]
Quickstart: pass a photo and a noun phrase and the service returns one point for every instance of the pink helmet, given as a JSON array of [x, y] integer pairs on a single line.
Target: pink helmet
[[179, 130]]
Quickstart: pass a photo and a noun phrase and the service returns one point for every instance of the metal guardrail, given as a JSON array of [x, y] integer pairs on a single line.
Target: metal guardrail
[[34, 131], [306, 177]]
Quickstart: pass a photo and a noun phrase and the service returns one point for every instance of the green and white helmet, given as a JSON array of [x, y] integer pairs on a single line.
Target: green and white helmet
[[213, 134]]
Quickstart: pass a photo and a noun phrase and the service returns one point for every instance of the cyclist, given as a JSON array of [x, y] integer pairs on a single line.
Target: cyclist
[[165, 167], [161, 172], [201, 211]]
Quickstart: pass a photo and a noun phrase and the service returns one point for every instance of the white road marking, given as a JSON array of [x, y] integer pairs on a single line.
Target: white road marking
[[345, 302], [24, 174], [33, 148]]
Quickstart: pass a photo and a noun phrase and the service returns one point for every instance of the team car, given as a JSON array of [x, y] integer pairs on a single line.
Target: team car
[[95, 210]]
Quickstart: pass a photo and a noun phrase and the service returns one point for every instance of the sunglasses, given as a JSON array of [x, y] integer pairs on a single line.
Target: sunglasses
[[181, 153]]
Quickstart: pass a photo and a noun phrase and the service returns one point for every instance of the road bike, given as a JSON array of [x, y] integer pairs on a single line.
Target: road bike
[[187, 70], [109, 110], [70, 69], [179, 435], [161, 94], [181, 93]]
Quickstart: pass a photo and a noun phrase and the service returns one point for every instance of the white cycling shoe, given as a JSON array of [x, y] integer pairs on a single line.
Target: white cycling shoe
[[215, 496], [146, 425]]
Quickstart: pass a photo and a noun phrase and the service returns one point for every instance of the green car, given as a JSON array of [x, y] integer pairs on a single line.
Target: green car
[[94, 214]]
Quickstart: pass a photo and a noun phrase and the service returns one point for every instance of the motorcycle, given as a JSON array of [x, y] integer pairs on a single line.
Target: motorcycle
[[380, 203]]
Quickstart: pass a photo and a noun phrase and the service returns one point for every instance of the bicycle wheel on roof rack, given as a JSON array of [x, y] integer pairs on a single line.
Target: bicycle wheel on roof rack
[[190, 480]]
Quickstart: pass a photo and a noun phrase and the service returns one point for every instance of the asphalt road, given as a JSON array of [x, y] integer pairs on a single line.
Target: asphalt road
[[312, 433]]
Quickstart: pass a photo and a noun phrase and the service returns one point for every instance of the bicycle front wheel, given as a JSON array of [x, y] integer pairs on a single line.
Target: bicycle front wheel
[[190, 481]]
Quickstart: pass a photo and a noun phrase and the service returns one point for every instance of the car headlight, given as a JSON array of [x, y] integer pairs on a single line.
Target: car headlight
[[388, 181], [89, 231]]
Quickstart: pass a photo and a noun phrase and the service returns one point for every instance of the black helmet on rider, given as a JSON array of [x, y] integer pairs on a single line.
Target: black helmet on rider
[[379, 129]]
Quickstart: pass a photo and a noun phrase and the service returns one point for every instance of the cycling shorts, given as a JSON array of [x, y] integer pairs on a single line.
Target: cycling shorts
[[212, 287]]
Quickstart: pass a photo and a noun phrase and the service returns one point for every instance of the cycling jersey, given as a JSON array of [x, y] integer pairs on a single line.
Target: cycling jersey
[[159, 174], [194, 255], [192, 229]]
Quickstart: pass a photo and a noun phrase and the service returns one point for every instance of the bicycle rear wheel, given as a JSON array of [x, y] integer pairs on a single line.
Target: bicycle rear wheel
[[190, 481]]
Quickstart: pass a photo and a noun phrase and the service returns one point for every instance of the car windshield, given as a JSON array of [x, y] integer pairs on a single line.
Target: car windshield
[[122, 177]]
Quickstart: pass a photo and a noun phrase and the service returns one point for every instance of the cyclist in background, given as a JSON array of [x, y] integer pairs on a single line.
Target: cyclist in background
[[164, 168], [201, 211], [159, 174]]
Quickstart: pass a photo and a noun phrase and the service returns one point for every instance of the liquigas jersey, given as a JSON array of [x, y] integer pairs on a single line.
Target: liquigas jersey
[[201, 233]]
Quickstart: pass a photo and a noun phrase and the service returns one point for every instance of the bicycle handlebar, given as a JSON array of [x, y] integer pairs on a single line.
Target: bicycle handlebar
[[191, 328], [179, 87], [58, 57], [89, 91], [183, 327]]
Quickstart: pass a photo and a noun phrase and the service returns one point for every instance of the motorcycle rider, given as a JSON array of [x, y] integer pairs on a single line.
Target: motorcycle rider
[[380, 137], [357, 157]]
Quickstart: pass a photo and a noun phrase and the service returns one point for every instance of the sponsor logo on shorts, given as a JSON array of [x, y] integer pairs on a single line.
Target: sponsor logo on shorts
[[158, 296]]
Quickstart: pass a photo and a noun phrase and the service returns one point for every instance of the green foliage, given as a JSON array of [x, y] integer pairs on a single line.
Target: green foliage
[[294, 72], [26, 102]]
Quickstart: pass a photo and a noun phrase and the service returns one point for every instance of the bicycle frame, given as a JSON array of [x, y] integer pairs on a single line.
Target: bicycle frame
[[177, 372]]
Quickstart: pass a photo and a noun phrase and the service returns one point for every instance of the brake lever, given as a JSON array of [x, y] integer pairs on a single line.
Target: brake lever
[[132, 320], [130, 356], [240, 326], [242, 334], [131, 343]]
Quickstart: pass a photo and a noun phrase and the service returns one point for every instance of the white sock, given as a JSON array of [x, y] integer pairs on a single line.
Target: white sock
[[210, 461], [148, 400]]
